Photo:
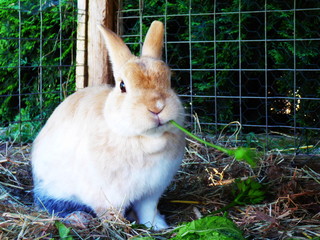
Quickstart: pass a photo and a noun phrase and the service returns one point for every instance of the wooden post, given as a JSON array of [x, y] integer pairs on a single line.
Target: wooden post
[[81, 58], [97, 69], [99, 12]]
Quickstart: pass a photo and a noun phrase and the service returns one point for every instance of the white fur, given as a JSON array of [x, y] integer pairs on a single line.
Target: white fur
[[107, 149]]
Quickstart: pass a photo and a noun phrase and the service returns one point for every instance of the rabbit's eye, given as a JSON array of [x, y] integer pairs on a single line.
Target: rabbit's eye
[[122, 87]]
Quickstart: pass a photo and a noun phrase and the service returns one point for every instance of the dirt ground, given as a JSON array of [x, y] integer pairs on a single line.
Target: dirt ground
[[290, 210]]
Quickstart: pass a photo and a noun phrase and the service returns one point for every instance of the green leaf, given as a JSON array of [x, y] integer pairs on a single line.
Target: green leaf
[[245, 154], [212, 227], [248, 191], [143, 238], [63, 231]]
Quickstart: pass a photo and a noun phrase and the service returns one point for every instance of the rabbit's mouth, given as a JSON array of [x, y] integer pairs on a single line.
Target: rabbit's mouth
[[161, 124], [158, 121], [158, 129]]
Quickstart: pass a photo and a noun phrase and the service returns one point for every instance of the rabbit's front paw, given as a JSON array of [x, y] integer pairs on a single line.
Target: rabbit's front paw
[[158, 223]]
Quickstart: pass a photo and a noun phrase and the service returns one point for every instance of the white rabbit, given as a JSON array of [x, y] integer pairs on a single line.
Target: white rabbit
[[112, 147]]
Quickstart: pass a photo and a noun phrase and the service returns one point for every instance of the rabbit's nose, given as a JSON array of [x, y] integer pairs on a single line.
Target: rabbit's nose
[[155, 112], [157, 107]]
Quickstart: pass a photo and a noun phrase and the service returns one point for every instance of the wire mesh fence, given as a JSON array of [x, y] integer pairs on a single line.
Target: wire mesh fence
[[253, 63], [37, 49], [256, 63]]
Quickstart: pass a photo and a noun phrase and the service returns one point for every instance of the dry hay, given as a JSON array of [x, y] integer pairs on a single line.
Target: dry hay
[[203, 185]]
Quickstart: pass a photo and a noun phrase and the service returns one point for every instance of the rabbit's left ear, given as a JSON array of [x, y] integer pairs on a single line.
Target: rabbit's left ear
[[153, 43], [118, 51]]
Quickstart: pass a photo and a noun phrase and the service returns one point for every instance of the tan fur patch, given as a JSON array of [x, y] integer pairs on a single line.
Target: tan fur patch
[[148, 73]]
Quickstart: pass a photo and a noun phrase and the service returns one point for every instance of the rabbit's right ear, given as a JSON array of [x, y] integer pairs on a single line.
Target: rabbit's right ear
[[118, 51], [153, 44]]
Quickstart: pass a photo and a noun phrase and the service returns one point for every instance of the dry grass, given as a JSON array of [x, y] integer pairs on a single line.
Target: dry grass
[[203, 185]]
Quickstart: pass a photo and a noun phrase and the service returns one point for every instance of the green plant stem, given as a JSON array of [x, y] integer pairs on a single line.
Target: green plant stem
[[222, 149], [240, 153]]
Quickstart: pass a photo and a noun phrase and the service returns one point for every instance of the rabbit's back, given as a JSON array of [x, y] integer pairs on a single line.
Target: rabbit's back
[[59, 151]]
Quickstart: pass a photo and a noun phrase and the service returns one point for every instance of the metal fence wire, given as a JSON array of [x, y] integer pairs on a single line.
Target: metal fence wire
[[252, 62], [37, 49], [256, 63]]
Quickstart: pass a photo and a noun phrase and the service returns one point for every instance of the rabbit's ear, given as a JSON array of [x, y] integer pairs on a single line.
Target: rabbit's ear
[[118, 51], [153, 43]]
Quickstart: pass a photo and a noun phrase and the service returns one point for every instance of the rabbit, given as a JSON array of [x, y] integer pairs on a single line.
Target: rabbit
[[111, 148]]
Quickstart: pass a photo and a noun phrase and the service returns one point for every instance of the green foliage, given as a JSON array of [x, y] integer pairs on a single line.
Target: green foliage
[[64, 232], [245, 192], [187, 48], [23, 129], [212, 227], [37, 49], [143, 238], [248, 192]]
